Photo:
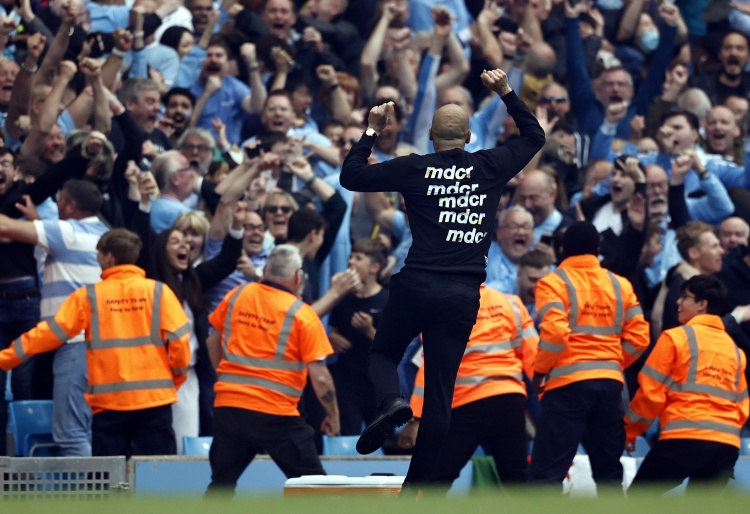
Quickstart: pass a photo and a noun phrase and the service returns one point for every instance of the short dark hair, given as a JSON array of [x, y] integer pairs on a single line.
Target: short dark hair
[[302, 222], [178, 91], [122, 244], [711, 289], [85, 194], [581, 238], [278, 92], [535, 259], [5, 150], [373, 249], [691, 118], [30, 166]]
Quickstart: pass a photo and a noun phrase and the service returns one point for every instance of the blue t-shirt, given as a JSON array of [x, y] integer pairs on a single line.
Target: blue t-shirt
[[226, 104]]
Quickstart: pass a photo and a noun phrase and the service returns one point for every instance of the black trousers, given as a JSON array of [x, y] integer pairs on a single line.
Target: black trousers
[[239, 434], [673, 460], [591, 412], [498, 424], [443, 308], [138, 432], [356, 404]]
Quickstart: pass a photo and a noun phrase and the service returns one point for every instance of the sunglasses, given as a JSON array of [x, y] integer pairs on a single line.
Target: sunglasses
[[341, 143], [549, 99], [275, 209]]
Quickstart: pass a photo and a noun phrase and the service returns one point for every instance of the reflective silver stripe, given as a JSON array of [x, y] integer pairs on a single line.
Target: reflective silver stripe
[[551, 305], [476, 380], [716, 426], [501, 346], [656, 375], [518, 339], [286, 328], [136, 385], [418, 391], [529, 332], [183, 330], [629, 348], [127, 342], [692, 374], [550, 347], [232, 378], [564, 371], [738, 372], [635, 418], [56, 329], [95, 334], [708, 389], [591, 330], [156, 315], [614, 329], [228, 320], [18, 347], [632, 312], [280, 365], [179, 371], [618, 302]]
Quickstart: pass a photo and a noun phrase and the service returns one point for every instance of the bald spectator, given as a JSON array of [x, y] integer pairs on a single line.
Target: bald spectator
[[733, 232], [537, 192], [514, 235], [723, 134]]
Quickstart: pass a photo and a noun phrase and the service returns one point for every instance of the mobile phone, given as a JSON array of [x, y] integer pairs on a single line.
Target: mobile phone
[[546, 239]]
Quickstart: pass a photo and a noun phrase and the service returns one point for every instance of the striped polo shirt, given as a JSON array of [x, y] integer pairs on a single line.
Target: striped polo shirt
[[71, 259]]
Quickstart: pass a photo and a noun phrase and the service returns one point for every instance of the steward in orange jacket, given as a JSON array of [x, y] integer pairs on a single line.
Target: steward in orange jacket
[[137, 350], [694, 383], [489, 399], [266, 342], [591, 328]]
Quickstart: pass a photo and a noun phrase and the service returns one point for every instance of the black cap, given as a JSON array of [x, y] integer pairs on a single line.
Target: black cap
[[581, 238]]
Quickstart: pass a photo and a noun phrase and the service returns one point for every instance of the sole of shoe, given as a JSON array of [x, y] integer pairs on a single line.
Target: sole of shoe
[[375, 435]]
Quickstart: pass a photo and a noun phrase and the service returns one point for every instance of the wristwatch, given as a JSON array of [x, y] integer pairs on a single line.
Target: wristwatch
[[371, 132]]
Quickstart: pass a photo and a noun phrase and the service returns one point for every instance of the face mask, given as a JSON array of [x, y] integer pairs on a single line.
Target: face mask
[[649, 41]]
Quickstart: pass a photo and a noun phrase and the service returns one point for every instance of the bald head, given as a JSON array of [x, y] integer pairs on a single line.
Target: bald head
[[450, 127]]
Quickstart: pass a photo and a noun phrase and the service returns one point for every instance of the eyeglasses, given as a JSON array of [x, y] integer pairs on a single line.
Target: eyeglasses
[[515, 228], [250, 227], [275, 209], [613, 83], [189, 147], [685, 296], [8, 165], [550, 99], [341, 143]]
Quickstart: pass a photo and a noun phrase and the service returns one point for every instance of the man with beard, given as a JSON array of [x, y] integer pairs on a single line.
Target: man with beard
[[733, 232], [223, 96], [615, 91], [178, 104], [514, 235], [731, 78]]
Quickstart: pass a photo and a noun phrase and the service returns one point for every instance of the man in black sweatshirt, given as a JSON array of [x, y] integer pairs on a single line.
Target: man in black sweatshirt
[[451, 197]]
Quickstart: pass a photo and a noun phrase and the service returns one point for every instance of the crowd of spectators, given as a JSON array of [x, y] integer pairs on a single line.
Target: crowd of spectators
[[645, 106]]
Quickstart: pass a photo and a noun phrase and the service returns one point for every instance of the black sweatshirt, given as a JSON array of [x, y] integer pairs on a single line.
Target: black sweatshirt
[[451, 196]]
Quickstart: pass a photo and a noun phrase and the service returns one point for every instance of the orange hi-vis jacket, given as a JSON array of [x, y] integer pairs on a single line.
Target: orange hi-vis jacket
[[268, 337], [591, 324], [694, 382], [501, 347], [137, 340]]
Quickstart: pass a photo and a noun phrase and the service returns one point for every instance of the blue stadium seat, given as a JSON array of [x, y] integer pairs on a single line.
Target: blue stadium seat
[[745, 446], [30, 425], [196, 445], [641, 447], [343, 445]]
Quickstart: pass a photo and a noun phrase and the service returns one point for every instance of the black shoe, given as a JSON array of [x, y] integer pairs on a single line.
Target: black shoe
[[375, 434]]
